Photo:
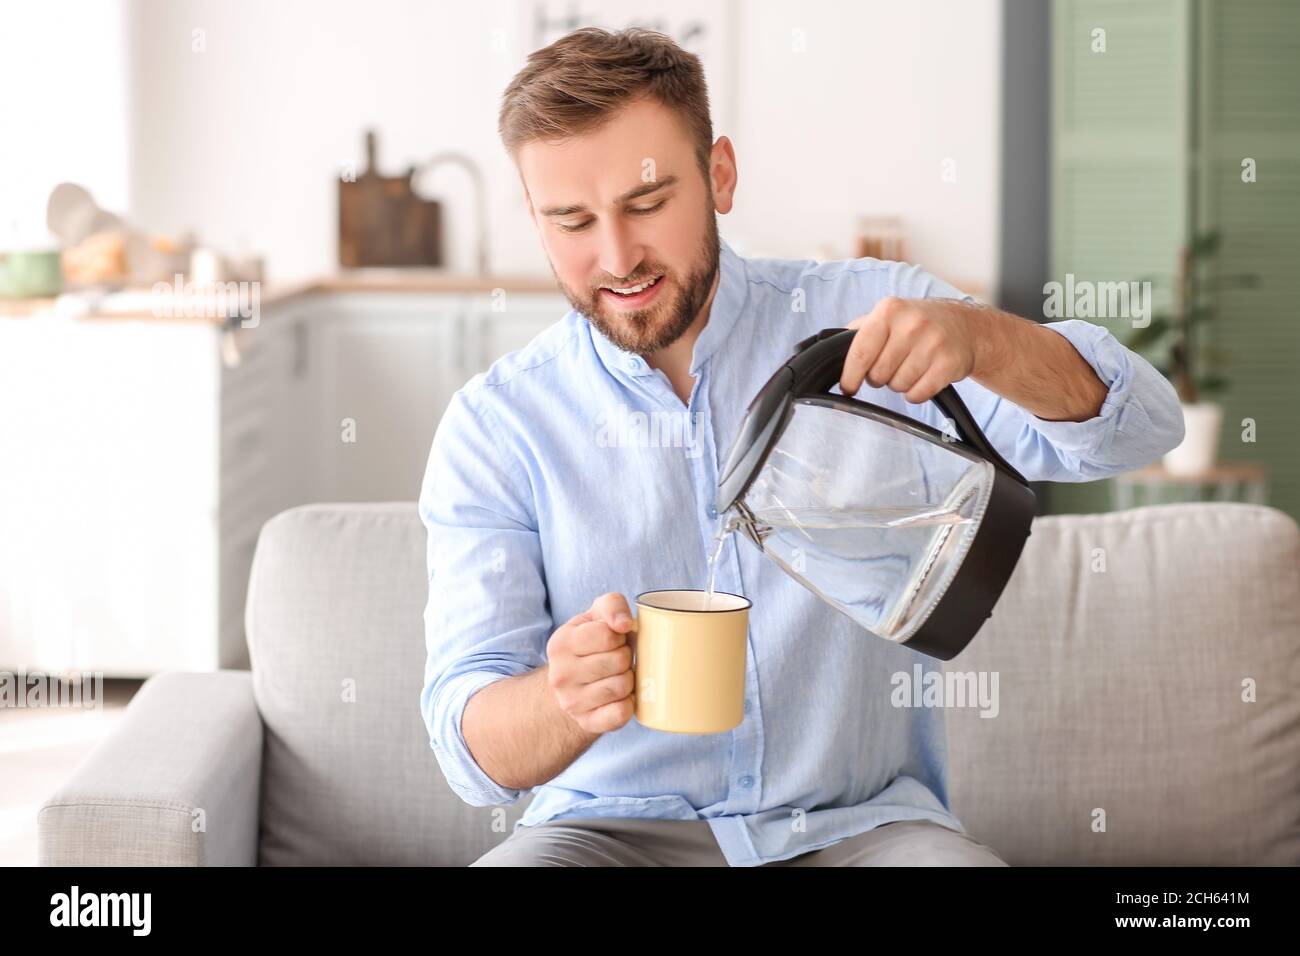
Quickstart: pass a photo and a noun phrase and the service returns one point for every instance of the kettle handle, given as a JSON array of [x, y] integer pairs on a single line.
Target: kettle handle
[[819, 361]]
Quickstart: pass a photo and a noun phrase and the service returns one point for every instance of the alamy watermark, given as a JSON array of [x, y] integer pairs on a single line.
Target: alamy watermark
[[129, 910], [1083, 299], [621, 427], [208, 300], [943, 688], [39, 689]]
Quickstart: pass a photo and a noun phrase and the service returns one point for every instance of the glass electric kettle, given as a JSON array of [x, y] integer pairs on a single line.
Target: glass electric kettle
[[911, 532]]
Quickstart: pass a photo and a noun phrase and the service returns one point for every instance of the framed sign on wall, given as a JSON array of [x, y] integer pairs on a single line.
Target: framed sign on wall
[[706, 28]]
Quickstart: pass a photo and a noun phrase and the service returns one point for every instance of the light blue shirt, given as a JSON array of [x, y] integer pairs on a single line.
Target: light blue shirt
[[570, 468]]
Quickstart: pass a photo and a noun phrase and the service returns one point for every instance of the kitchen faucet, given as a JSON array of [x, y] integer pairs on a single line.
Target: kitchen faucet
[[480, 197]]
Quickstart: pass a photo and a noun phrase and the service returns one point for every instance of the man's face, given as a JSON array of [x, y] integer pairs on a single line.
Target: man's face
[[623, 206]]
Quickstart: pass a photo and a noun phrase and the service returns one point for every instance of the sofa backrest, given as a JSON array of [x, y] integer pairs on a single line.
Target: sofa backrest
[[1149, 684], [1119, 690], [336, 642]]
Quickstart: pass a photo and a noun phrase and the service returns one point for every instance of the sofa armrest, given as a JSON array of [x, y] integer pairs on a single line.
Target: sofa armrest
[[175, 784]]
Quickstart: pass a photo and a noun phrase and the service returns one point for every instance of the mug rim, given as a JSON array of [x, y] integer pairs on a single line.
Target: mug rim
[[678, 610]]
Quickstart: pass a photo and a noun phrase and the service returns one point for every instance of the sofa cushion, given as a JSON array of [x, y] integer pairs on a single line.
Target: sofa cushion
[[1125, 645], [335, 631]]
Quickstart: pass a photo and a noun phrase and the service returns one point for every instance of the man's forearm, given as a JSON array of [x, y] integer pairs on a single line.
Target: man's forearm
[[1035, 368], [518, 734]]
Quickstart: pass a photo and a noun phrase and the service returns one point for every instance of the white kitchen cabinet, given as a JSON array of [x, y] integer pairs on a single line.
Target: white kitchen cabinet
[[382, 370], [497, 326], [381, 375], [133, 477], [138, 463]]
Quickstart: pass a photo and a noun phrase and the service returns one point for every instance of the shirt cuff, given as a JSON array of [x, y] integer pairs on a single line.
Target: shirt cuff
[[1110, 360], [465, 777]]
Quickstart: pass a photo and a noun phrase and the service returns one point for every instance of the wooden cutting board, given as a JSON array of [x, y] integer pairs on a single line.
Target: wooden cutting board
[[382, 222]]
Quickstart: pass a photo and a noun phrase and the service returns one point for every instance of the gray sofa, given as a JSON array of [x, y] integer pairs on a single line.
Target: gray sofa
[[1124, 646]]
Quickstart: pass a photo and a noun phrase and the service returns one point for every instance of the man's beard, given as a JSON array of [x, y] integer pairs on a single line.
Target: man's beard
[[648, 330]]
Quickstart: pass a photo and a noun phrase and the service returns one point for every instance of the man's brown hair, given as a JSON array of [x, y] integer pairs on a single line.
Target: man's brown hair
[[576, 84]]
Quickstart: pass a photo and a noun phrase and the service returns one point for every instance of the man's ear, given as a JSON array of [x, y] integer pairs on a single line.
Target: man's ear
[[722, 173]]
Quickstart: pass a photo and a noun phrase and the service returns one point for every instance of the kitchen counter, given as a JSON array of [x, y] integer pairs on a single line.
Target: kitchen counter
[[146, 304]]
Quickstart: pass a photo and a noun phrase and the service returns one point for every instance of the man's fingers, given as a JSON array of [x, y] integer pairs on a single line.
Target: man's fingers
[[893, 358], [595, 637], [593, 667], [930, 385], [579, 619], [608, 690], [865, 348], [610, 716], [613, 610], [906, 373], [601, 627]]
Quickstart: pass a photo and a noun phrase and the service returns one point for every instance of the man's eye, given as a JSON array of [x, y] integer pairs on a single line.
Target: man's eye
[[642, 210], [576, 227]]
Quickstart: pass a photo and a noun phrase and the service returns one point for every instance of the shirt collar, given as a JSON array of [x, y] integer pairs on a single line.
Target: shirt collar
[[728, 303]]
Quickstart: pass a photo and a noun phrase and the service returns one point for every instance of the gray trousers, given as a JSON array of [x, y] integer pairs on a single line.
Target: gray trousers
[[629, 842]]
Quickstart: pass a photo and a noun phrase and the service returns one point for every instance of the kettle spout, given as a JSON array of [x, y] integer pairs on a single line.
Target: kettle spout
[[739, 518]]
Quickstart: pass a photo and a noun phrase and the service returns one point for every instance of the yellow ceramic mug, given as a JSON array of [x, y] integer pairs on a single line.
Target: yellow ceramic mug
[[689, 661]]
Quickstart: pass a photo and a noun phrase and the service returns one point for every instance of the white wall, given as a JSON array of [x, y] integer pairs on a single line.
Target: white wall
[[861, 122], [65, 113], [245, 139]]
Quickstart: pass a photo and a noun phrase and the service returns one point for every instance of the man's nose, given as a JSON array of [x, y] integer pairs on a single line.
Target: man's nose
[[620, 253]]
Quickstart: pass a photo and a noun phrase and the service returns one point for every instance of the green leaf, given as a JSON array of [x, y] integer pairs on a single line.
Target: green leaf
[[1212, 384], [1243, 280], [1148, 336], [1205, 244]]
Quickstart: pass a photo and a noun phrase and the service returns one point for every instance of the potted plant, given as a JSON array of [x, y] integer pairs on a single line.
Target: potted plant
[[1174, 343]]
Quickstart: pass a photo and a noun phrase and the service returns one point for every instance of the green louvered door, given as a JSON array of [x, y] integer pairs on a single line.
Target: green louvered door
[[1148, 141], [1249, 108], [1120, 167]]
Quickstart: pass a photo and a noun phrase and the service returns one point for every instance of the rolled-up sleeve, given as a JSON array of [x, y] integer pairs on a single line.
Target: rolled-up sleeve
[[486, 618], [1140, 419]]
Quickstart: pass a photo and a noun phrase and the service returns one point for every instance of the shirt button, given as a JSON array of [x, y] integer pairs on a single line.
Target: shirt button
[[634, 364], [746, 781], [713, 512]]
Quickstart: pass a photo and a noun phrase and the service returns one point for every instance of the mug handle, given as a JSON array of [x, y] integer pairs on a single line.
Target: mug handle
[[631, 640]]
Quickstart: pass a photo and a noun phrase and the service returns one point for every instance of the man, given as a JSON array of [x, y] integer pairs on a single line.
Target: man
[[541, 526]]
